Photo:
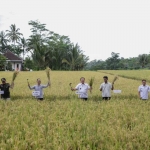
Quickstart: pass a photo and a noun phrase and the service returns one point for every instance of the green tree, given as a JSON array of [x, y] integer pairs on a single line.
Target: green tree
[[23, 46], [2, 62], [13, 34], [143, 60], [3, 41], [113, 61], [75, 59]]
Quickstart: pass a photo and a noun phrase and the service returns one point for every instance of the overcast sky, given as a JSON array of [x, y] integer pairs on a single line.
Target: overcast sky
[[98, 26]]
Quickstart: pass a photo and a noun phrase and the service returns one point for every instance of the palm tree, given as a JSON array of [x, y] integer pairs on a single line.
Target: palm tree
[[3, 41], [24, 45], [75, 58], [13, 34], [39, 51]]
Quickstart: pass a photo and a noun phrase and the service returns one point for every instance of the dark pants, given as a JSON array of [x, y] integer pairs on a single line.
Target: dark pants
[[106, 98], [85, 99], [41, 99]]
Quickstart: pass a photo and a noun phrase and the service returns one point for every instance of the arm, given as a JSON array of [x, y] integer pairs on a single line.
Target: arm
[[31, 87], [101, 87], [12, 85], [45, 86], [75, 89], [90, 88], [139, 94], [112, 87]]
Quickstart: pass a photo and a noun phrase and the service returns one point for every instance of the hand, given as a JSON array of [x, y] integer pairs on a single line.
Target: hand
[[72, 89], [49, 83]]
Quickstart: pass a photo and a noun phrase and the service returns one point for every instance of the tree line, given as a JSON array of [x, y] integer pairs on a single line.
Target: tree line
[[42, 48], [116, 63]]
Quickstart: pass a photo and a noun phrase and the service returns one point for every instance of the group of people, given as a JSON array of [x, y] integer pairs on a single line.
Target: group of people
[[82, 89]]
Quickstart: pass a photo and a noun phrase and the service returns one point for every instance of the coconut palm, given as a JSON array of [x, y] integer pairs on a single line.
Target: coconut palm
[[13, 34], [75, 58], [24, 45]]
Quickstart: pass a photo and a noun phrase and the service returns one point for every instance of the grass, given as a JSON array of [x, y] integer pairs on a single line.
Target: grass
[[130, 74], [63, 122]]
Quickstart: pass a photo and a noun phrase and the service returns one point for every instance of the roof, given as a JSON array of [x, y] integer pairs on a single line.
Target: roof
[[11, 56]]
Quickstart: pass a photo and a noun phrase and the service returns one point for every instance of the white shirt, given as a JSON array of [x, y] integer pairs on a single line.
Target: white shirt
[[40, 89], [83, 89], [106, 89], [144, 91]]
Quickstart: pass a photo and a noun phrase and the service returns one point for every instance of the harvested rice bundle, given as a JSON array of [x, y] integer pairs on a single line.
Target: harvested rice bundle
[[115, 78]]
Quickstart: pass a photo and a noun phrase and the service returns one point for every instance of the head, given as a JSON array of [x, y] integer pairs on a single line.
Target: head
[[105, 79], [144, 82], [3, 80], [38, 81], [82, 80]]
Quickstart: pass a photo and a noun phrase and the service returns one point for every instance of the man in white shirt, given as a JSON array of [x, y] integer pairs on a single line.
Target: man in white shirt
[[143, 90], [82, 89], [106, 88], [39, 88]]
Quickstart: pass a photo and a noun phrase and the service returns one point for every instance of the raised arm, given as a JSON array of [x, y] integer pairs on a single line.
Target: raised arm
[[12, 85], [45, 86], [31, 87]]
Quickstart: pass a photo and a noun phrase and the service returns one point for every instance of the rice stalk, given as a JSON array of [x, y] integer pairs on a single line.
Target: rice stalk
[[115, 78], [91, 81], [15, 75], [48, 73]]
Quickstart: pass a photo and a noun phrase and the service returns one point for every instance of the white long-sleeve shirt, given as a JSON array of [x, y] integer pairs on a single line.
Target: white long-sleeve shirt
[[39, 88], [144, 91]]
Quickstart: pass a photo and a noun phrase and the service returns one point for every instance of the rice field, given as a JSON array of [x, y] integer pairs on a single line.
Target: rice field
[[64, 122], [132, 74]]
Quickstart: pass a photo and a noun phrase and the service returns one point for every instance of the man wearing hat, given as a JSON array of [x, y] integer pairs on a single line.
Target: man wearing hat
[[5, 88]]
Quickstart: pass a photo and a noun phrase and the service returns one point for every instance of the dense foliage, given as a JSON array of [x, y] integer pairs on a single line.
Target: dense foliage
[[116, 63], [44, 48]]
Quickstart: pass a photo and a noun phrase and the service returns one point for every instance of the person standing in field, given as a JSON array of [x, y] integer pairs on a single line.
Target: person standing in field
[[106, 88], [39, 88], [82, 88], [143, 90], [5, 88]]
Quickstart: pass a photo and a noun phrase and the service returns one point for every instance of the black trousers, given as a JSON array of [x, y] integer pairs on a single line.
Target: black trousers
[[85, 99], [106, 98], [41, 99]]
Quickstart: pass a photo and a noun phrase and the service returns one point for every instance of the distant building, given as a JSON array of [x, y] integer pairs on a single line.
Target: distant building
[[15, 61]]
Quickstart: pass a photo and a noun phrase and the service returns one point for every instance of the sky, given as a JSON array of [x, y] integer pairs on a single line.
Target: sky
[[98, 26]]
